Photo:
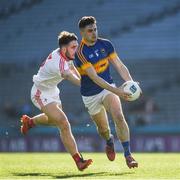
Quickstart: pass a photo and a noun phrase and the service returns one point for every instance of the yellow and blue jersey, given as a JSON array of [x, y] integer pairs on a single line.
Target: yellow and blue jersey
[[97, 56]]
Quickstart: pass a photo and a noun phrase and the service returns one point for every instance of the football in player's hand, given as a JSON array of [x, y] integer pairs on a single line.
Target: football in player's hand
[[132, 88]]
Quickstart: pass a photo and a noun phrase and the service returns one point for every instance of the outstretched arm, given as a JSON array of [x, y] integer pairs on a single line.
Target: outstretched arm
[[72, 77], [73, 69], [104, 84], [121, 68]]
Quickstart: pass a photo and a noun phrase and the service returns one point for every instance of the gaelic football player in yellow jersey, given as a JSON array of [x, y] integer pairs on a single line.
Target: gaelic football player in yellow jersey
[[98, 90]]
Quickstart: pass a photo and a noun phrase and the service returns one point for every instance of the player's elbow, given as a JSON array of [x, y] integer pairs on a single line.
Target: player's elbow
[[95, 78], [93, 75], [124, 68]]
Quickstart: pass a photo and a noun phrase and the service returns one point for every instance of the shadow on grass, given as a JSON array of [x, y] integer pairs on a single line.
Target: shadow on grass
[[99, 174], [73, 175]]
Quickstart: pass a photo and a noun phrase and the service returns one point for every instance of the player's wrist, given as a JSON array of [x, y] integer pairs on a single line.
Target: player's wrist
[[115, 90]]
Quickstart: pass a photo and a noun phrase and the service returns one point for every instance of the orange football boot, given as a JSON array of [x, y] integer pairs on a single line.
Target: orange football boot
[[27, 124], [110, 151], [83, 164], [131, 162]]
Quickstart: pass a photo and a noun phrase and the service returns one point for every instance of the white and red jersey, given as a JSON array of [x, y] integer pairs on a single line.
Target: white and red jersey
[[50, 72]]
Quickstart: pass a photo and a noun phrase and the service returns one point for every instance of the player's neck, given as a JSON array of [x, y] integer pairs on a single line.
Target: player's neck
[[88, 43]]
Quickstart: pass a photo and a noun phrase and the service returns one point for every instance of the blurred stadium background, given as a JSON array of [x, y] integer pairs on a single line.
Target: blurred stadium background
[[146, 34]]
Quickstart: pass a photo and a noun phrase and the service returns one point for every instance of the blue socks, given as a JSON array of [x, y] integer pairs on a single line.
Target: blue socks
[[126, 147], [109, 142]]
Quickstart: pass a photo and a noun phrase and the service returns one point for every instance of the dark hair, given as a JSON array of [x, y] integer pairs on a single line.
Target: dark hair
[[65, 38], [85, 21]]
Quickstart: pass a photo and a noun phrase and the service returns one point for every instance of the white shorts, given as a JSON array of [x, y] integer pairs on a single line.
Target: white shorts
[[94, 103], [42, 98]]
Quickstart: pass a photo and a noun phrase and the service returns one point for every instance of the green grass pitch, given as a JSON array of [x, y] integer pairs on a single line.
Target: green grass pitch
[[61, 166]]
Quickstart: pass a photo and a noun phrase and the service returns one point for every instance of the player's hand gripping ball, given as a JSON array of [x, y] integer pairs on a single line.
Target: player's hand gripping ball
[[133, 89]]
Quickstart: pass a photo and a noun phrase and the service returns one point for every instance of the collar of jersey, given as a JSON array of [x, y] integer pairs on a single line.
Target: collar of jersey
[[64, 57], [85, 42]]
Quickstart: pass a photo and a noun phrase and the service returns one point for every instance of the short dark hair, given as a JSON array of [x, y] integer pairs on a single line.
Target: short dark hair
[[85, 21], [65, 38]]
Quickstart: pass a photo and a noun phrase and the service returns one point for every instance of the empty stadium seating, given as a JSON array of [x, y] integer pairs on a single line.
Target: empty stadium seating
[[151, 50]]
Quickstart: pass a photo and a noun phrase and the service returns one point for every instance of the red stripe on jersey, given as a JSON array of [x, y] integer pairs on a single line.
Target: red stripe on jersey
[[64, 57], [61, 63], [38, 99]]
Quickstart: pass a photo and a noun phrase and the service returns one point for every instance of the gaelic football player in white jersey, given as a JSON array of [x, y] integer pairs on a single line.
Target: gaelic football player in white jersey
[[45, 94]]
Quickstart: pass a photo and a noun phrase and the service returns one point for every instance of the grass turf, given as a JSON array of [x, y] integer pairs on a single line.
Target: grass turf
[[61, 166]]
